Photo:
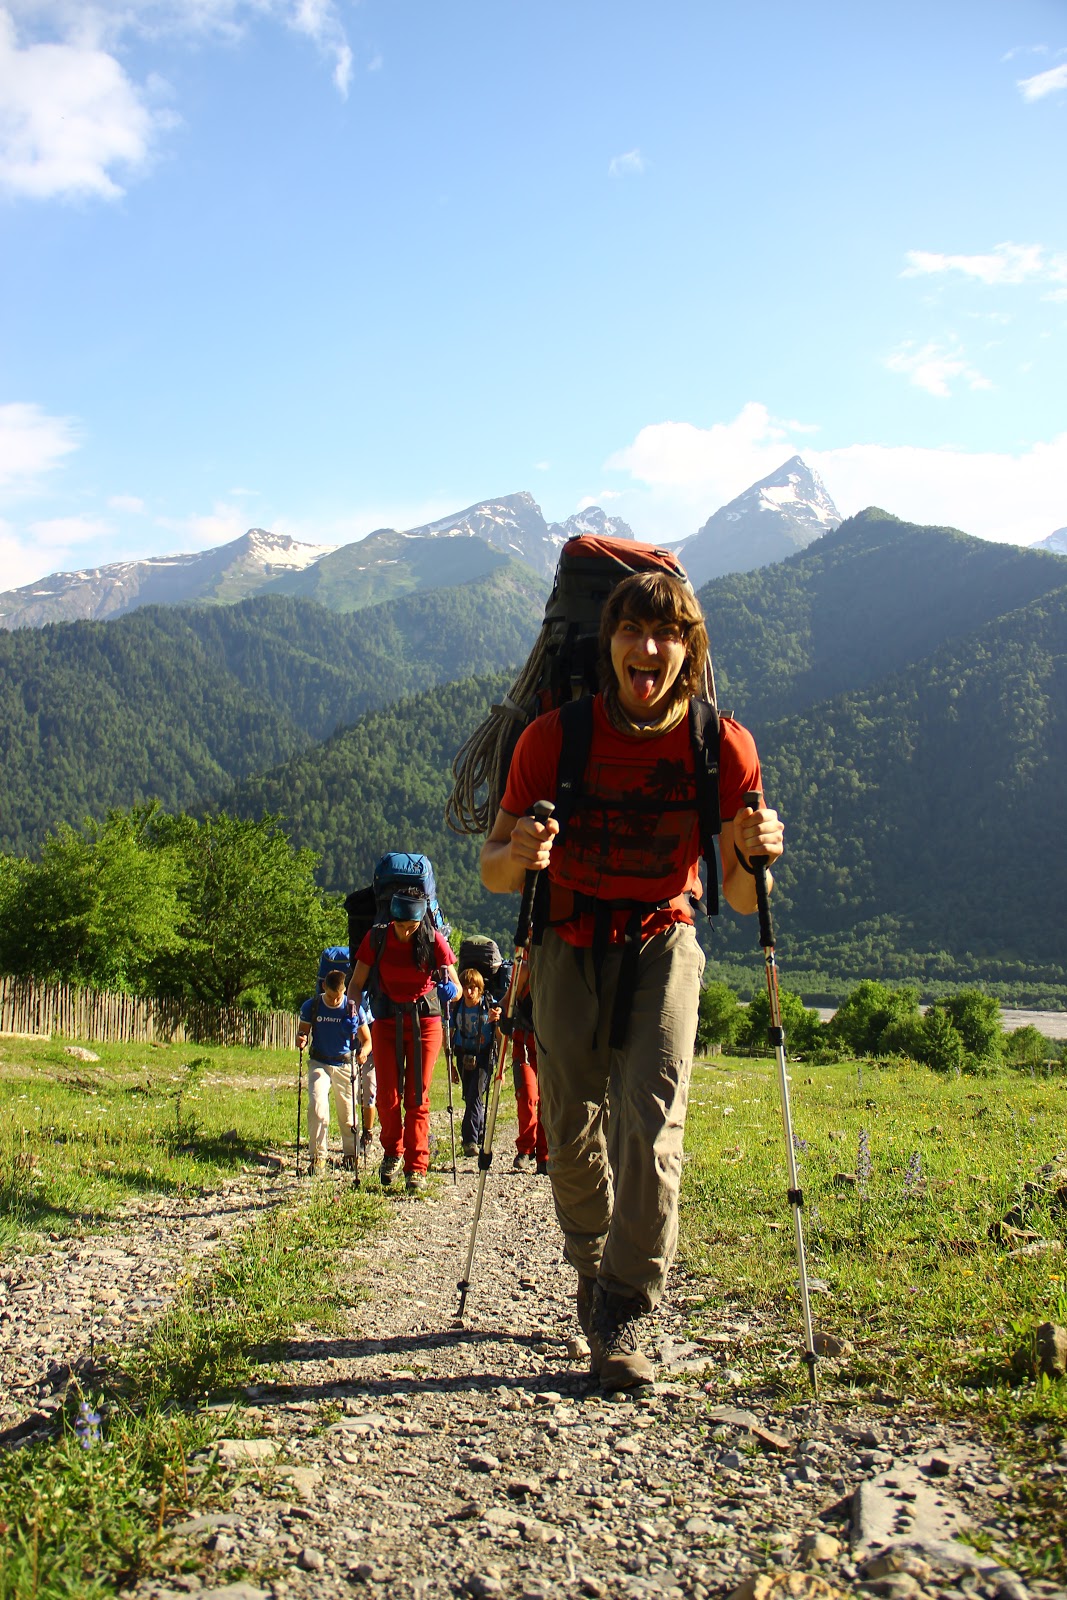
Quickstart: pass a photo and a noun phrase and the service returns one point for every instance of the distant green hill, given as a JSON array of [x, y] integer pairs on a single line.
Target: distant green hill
[[907, 801], [388, 564], [871, 598], [175, 703]]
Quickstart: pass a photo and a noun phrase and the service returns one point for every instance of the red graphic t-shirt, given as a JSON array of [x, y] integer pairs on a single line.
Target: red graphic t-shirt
[[401, 980], [635, 834]]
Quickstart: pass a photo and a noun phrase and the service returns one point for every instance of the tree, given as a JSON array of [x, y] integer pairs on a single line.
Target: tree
[[100, 908], [862, 1021], [721, 1017], [976, 1017], [253, 919], [940, 1046], [802, 1027]]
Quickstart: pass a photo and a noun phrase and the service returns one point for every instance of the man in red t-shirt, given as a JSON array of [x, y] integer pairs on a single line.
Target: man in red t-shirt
[[628, 865]]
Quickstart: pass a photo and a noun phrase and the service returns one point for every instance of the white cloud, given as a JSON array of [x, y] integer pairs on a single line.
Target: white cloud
[[20, 562], [69, 118], [31, 444], [1006, 263], [935, 368], [627, 165], [73, 124], [679, 474], [60, 533], [203, 530], [1014, 499], [376, 62], [1044, 83], [128, 503]]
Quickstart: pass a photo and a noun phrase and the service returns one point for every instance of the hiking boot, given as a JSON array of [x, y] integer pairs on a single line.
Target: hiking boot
[[366, 1139], [541, 1169], [415, 1183], [469, 1149], [388, 1170], [583, 1301], [318, 1167], [616, 1356], [522, 1162]]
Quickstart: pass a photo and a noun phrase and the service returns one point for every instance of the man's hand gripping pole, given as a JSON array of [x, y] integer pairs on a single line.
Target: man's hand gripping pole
[[777, 1039], [540, 812]]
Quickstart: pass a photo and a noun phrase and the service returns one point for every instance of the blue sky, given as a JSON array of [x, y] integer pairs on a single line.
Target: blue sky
[[322, 267]]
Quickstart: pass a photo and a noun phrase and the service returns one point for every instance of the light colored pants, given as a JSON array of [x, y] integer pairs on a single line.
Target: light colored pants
[[321, 1079], [615, 1119]]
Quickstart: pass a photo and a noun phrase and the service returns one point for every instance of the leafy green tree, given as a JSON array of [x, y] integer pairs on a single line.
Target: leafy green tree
[[861, 1022], [721, 1017], [100, 907], [802, 1027], [940, 1044], [253, 919], [1027, 1049], [976, 1017]]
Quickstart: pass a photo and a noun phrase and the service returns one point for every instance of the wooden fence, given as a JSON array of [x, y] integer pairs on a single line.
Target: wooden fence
[[27, 1007]]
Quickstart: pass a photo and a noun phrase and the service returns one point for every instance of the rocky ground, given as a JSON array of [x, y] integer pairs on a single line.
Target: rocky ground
[[411, 1455]]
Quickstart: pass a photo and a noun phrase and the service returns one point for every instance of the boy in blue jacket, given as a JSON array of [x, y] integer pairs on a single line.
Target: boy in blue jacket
[[472, 1021]]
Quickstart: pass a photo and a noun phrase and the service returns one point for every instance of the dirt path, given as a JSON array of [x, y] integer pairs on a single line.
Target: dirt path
[[410, 1457]]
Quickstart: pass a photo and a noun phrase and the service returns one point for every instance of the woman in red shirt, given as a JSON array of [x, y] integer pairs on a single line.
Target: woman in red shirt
[[406, 1030]]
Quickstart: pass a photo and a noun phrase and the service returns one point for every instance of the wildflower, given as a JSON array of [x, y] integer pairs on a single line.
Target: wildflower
[[800, 1145], [913, 1178], [87, 1426], [863, 1163]]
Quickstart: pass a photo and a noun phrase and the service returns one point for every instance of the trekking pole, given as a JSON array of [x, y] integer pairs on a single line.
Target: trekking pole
[[355, 1145], [541, 812], [299, 1100], [776, 1034], [451, 1108]]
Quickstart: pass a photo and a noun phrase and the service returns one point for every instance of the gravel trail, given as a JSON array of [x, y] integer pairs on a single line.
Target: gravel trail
[[408, 1456]]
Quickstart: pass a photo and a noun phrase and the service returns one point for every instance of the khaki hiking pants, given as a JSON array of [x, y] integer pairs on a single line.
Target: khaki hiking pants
[[615, 1119], [322, 1077]]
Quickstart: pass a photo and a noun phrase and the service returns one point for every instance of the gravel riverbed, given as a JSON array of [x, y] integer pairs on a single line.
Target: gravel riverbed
[[409, 1455]]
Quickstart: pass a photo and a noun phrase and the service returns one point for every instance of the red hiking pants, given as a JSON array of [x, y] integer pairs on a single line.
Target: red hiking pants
[[531, 1140], [405, 1129]]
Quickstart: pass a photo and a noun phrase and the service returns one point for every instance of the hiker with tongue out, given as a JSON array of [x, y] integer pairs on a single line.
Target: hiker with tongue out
[[615, 976]]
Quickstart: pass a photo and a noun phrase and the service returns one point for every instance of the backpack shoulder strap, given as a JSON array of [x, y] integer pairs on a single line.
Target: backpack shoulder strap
[[576, 724], [704, 733]]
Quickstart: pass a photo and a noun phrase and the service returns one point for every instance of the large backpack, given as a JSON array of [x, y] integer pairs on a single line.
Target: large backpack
[[368, 907], [562, 668], [335, 958], [484, 956]]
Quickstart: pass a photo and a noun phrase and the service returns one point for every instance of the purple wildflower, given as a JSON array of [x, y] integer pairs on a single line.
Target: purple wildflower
[[913, 1178], [87, 1426]]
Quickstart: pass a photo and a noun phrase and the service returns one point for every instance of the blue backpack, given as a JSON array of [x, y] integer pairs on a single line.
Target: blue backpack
[[335, 958]]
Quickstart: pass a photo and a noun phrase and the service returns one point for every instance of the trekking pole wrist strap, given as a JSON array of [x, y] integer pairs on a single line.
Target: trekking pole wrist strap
[[746, 866]]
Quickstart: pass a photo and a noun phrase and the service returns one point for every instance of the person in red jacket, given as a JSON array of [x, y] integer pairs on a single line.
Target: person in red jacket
[[531, 1146], [619, 954], [404, 957]]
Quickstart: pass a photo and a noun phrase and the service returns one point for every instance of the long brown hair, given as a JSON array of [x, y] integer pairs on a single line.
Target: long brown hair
[[656, 597]]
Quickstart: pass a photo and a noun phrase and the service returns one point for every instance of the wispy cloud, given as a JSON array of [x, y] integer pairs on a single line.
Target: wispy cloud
[[32, 444], [936, 368], [678, 474], [1043, 83], [627, 165], [74, 124], [60, 533], [129, 504], [1006, 263]]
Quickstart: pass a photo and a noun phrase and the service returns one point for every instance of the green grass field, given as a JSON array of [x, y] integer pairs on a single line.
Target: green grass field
[[917, 1220]]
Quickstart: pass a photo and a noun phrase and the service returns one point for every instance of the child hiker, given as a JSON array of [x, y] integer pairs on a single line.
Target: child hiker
[[340, 1047], [472, 1024]]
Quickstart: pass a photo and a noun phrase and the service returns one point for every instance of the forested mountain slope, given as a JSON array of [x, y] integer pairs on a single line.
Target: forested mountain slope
[[926, 816], [176, 703], [382, 785], [866, 600], [929, 814]]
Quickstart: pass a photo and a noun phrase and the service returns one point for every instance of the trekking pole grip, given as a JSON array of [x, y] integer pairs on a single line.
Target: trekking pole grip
[[759, 868], [541, 810]]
